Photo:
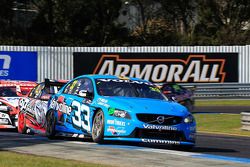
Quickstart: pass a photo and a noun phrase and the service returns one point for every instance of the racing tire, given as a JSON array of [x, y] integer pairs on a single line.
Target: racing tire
[[50, 125], [98, 127], [21, 128]]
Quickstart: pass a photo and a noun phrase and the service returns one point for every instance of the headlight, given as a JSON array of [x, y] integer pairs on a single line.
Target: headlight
[[189, 119], [119, 113]]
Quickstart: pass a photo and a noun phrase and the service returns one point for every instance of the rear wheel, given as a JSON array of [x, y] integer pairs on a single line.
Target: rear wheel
[[50, 125], [98, 127], [21, 123]]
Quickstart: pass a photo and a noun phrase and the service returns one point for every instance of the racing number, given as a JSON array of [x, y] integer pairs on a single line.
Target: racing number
[[77, 119], [23, 104]]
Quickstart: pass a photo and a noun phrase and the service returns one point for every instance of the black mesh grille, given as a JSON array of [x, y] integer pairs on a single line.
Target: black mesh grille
[[152, 119], [158, 134]]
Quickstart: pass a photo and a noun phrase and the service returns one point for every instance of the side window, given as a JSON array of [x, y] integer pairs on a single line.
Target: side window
[[77, 85], [86, 84], [72, 87], [36, 92]]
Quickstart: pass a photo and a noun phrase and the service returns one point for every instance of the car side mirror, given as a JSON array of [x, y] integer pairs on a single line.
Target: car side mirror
[[85, 94]]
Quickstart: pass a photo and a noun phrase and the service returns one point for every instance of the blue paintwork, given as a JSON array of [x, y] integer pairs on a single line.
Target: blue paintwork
[[117, 128]]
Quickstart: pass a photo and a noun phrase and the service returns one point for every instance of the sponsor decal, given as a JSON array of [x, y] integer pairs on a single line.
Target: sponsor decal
[[195, 68], [62, 107], [103, 102], [116, 131], [6, 65], [160, 141], [160, 127], [162, 67], [116, 122], [13, 65], [127, 81]]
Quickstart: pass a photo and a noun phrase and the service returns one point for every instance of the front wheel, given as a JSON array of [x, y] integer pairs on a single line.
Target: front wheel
[[98, 127], [50, 125], [21, 123]]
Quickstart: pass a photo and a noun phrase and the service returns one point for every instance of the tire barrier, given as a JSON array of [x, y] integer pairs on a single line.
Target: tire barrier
[[245, 121]]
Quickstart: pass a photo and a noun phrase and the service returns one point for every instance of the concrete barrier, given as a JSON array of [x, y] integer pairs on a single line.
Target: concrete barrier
[[245, 121]]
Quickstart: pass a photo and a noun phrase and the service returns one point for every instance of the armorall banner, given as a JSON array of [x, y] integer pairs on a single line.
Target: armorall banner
[[161, 67]]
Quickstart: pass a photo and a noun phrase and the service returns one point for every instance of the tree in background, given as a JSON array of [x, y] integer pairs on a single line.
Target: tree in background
[[222, 22], [79, 22], [6, 15], [151, 22], [181, 14], [151, 26]]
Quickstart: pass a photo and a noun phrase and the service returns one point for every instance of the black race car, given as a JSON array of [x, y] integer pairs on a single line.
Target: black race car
[[180, 94]]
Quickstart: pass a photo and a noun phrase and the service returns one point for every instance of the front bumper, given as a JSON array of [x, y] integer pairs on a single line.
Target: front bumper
[[151, 141]]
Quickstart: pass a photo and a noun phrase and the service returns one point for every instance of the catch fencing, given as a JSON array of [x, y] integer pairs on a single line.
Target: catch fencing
[[220, 90]]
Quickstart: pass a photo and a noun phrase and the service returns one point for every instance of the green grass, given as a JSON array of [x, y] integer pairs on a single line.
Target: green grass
[[10, 159], [220, 123], [222, 103]]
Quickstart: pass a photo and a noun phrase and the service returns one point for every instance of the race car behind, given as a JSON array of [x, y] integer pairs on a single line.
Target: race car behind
[[10, 93], [33, 107], [180, 94]]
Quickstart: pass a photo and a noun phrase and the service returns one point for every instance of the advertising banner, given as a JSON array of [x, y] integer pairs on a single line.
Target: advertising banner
[[161, 67], [18, 65]]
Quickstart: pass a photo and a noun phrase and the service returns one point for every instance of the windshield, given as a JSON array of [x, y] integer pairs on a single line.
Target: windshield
[[8, 91], [128, 88]]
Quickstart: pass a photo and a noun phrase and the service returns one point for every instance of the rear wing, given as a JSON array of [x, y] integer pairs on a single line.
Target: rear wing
[[53, 86]]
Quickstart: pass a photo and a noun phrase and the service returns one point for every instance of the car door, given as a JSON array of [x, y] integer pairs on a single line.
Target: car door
[[34, 107], [80, 105]]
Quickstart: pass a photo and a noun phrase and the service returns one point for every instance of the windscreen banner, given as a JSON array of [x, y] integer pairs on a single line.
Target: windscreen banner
[[18, 65], [161, 67]]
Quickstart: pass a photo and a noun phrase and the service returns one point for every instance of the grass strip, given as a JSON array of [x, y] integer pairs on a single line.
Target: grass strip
[[222, 103], [220, 123], [11, 159]]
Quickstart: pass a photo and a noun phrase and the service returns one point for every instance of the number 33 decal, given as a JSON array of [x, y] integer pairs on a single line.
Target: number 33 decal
[[81, 115]]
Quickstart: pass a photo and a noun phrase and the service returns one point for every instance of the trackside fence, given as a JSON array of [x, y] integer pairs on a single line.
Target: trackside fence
[[220, 90]]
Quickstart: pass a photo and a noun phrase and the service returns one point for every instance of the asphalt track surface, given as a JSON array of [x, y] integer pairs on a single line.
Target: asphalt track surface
[[210, 150]]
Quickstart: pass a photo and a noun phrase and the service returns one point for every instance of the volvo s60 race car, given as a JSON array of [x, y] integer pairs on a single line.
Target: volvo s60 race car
[[10, 93], [32, 109], [111, 108], [181, 94]]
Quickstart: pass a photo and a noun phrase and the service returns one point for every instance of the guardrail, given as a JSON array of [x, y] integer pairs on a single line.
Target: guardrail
[[219, 90], [245, 121]]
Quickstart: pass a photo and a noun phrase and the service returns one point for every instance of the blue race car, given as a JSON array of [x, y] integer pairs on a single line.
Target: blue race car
[[107, 107]]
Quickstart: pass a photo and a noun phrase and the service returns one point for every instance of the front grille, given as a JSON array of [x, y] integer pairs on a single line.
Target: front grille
[[158, 134], [152, 119]]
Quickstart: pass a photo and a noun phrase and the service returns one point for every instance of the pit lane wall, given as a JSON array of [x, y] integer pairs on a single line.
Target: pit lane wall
[[186, 64]]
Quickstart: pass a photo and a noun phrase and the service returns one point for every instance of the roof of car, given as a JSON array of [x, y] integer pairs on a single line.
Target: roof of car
[[6, 83], [97, 76]]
